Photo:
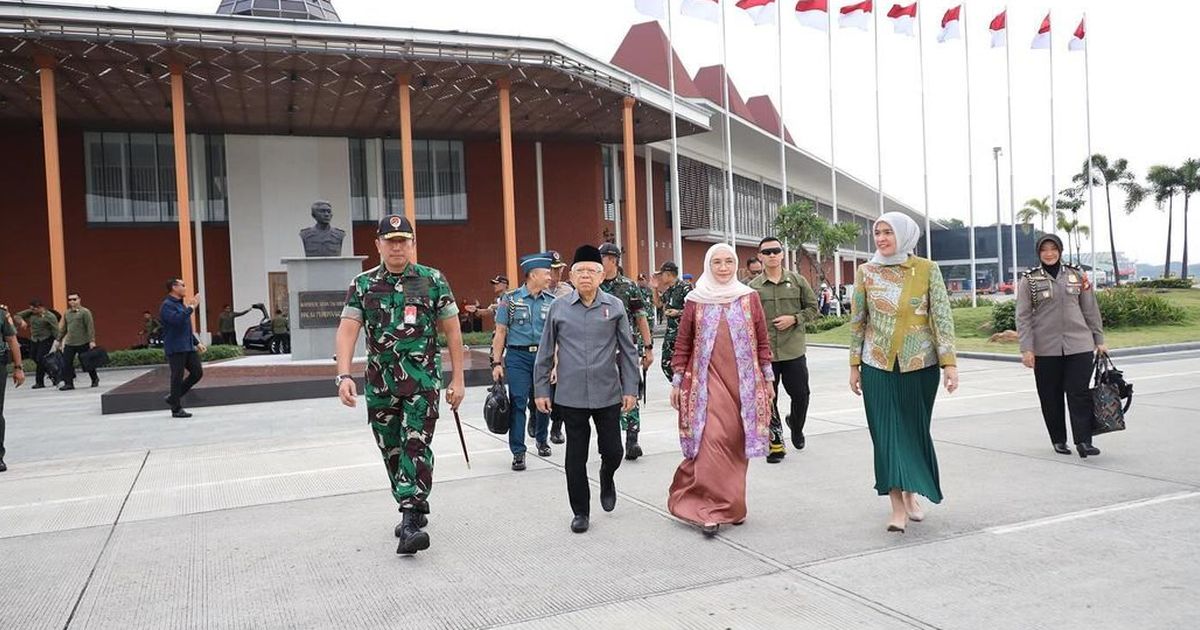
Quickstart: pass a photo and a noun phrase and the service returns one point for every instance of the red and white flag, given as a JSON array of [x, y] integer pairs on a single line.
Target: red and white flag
[[856, 16], [656, 9], [813, 14], [950, 25], [1042, 39], [999, 29], [761, 11], [903, 18], [704, 9], [1078, 41]]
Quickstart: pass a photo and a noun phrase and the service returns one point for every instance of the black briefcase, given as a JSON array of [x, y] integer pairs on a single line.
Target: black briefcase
[[95, 358]]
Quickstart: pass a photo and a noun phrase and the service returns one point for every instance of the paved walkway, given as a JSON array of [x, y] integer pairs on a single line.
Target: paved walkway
[[278, 515]]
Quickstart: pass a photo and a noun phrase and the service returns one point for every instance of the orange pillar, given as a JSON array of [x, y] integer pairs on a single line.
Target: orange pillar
[[406, 156], [58, 257], [179, 142], [506, 179], [630, 257]]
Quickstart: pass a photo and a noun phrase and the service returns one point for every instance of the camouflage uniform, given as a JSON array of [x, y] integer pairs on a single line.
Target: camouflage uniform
[[630, 294], [404, 369], [672, 298]]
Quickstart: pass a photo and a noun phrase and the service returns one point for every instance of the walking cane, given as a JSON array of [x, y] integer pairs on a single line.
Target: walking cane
[[462, 440]]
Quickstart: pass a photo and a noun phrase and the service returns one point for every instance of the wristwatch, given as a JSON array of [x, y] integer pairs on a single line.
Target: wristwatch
[[337, 380]]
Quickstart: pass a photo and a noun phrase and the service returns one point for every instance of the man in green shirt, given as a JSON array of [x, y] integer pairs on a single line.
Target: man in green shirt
[[42, 324], [11, 350], [788, 302], [76, 336], [225, 324], [619, 286], [672, 302]]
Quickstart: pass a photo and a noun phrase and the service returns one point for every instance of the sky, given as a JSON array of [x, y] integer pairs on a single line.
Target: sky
[[1143, 95]]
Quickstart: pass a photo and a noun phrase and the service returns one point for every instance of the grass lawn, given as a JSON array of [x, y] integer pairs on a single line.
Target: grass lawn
[[968, 320]]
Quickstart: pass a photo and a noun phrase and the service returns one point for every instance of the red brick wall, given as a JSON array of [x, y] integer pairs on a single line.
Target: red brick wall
[[119, 271]]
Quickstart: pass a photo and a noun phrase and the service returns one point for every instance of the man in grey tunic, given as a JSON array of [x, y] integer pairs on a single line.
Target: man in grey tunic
[[596, 378], [322, 239]]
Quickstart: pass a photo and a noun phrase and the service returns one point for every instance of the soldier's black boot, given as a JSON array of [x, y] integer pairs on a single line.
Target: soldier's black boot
[[632, 450], [412, 539], [556, 435], [420, 519]]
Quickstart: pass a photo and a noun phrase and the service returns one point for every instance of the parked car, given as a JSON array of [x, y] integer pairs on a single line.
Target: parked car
[[1006, 288], [261, 337]]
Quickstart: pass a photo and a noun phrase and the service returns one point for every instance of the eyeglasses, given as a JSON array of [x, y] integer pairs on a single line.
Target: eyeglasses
[[72, 299], [588, 271], [771, 251]]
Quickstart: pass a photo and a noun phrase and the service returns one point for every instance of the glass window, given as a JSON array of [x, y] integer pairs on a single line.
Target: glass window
[[439, 180], [130, 178]]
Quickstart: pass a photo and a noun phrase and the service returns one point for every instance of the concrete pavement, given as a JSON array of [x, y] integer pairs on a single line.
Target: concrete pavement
[[278, 515]]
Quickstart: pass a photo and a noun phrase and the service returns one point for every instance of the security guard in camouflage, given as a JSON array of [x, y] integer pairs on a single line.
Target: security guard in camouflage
[[671, 301], [621, 287], [402, 305]]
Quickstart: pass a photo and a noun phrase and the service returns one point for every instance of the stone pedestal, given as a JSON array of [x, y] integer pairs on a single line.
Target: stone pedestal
[[316, 294]]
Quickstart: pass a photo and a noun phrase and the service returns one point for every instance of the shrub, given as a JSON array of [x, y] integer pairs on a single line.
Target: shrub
[[826, 323], [1004, 316], [470, 339], [965, 302], [1128, 307], [1164, 283]]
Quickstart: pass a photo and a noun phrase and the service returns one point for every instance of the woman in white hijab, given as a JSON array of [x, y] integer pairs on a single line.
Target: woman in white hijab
[[722, 389], [901, 336]]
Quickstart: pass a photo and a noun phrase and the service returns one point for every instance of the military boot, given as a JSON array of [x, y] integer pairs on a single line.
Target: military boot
[[412, 539], [556, 435], [632, 450], [420, 519]]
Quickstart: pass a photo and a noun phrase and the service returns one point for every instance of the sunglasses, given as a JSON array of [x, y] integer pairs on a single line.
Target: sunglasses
[[771, 251]]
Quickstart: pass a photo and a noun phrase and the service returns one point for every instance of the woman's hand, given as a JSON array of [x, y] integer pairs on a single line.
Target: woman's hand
[[675, 395], [950, 378], [1101, 349], [1027, 359], [856, 380]]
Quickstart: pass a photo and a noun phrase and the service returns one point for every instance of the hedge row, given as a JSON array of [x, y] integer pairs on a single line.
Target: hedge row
[[1125, 307], [1165, 283], [155, 356]]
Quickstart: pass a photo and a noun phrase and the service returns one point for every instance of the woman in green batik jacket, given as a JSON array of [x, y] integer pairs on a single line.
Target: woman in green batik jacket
[[901, 332]]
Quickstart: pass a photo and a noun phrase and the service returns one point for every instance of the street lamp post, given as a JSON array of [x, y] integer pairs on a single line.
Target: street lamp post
[[996, 151]]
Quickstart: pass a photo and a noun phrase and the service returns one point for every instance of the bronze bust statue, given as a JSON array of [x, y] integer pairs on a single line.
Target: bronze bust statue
[[322, 239]]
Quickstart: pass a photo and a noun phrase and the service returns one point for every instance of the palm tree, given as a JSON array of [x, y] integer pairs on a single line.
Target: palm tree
[[1189, 176], [1071, 199], [1099, 172], [1164, 183], [1035, 208], [1074, 230]]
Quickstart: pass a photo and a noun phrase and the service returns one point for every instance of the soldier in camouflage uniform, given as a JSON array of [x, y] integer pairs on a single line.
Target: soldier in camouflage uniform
[[671, 301], [619, 286], [402, 304]]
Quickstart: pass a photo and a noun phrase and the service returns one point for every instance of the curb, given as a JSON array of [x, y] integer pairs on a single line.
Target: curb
[[1016, 358]]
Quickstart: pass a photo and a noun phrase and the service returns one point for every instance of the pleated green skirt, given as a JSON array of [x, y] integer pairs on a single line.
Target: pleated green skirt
[[899, 408]]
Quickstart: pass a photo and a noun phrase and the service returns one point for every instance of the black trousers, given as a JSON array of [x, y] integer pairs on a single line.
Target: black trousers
[[3, 386], [228, 339], [794, 374], [40, 350], [180, 361], [579, 436], [69, 354], [1065, 375]]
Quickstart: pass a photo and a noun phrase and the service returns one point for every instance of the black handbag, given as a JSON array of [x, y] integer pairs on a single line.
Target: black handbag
[[496, 408], [1108, 389], [95, 358]]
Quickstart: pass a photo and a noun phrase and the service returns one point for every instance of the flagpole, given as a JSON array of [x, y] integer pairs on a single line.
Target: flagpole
[[782, 147], [1087, 99], [970, 165], [837, 258], [1053, 181], [677, 236], [728, 130], [878, 127], [1012, 190], [924, 136]]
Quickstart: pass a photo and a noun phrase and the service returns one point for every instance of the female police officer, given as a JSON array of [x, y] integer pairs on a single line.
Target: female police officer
[[1058, 323]]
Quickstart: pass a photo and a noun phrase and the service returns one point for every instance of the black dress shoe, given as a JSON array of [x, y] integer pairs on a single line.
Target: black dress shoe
[[608, 494], [180, 413], [579, 524], [1061, 448], [556, 437], [529, 428], [420, 520], [66, 387], [797, 433], [1086, 450], [3, 466], [544, 450], [632, 450], [518, 461], [412, 539], [38, 386], [95, 382]]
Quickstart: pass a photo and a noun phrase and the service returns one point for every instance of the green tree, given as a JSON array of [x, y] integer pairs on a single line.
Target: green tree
[[1189, 176], [1071, 200], [1034, 208], [953, 224], [798, 224], [1162, 183], [1100, 172]]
